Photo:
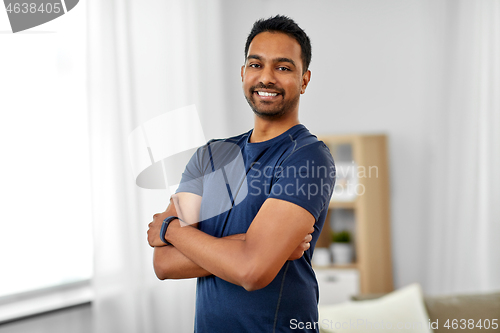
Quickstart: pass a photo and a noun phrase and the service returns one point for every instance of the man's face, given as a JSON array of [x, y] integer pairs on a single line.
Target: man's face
[[272, 75]]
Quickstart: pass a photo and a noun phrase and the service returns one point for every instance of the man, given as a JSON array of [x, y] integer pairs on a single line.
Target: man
[[253, 260]]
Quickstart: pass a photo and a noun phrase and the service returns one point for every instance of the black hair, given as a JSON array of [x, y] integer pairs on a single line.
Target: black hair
[[286, 25]]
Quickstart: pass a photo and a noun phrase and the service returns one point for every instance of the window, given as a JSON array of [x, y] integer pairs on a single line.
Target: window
[[45, 228]]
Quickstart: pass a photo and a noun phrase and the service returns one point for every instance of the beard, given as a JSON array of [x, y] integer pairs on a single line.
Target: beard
[[275, 112]]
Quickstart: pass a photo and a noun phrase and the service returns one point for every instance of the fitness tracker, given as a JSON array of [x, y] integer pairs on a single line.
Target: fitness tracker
[[164, 227]]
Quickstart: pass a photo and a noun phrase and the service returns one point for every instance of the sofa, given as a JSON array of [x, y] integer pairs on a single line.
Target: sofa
[[408, 306]]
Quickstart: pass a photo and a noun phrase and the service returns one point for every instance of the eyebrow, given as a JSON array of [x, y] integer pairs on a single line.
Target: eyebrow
[[280, 59]]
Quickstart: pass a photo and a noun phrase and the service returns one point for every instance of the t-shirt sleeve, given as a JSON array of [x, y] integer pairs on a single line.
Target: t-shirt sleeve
[[306, 178], [192, 177]]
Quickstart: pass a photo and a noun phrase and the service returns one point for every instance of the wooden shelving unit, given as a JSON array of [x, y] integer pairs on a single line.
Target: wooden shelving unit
[[371, 209]]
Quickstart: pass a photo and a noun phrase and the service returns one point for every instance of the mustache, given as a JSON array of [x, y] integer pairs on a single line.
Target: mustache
[[269, 86]]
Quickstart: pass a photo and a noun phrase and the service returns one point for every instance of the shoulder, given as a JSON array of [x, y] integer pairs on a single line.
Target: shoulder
[[306, 145], [237, 139], [218, 152]]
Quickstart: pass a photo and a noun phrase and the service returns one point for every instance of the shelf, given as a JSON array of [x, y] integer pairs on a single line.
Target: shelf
[[361, 196], [335, 266], [342, 204]]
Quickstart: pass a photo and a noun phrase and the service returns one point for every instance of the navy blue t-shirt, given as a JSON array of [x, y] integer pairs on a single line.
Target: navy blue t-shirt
[[234, 178]]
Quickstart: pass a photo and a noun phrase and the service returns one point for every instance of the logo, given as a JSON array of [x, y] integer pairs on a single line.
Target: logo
[[161, 147], [26, 14], [164, 147]]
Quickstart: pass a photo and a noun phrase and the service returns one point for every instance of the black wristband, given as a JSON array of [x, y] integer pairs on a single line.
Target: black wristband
[[164, 227]]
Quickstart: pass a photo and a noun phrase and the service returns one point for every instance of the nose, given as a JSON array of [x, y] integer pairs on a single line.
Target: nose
[[267, 76]]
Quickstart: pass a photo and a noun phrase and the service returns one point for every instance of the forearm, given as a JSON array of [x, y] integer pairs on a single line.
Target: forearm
[[234, 260], [170, 263], [250, 260], [275, 232], [213, 257]]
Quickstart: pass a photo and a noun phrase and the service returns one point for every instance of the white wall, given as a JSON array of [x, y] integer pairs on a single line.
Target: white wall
[[370, 71]]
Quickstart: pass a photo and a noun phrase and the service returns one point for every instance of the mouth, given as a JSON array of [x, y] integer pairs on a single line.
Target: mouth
[[266, 95]]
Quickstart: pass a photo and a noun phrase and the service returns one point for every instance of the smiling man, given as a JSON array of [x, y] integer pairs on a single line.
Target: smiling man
[[253, 259]]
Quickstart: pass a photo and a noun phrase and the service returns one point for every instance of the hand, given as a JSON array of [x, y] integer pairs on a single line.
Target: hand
[[155, 226], [303, 246]]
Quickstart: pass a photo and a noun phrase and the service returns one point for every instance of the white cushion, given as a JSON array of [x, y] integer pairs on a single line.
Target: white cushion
[[401, 310]]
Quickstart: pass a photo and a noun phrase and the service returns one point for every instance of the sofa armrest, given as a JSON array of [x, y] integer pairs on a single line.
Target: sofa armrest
[[475, 306], [449, 307]]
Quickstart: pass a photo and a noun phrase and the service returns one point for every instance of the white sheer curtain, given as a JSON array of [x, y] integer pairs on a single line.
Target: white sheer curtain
[[145, 58], [464, 179]]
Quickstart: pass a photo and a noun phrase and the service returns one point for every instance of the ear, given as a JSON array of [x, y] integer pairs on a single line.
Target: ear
[[242, 72], [305, 81]]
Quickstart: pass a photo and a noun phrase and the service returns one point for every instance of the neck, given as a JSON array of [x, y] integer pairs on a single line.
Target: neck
[[265, 129]]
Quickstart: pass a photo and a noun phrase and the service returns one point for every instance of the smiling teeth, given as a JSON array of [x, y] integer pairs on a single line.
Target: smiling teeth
[[263, 93]]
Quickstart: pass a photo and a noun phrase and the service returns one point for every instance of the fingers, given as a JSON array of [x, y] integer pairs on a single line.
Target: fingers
[[305, 245]]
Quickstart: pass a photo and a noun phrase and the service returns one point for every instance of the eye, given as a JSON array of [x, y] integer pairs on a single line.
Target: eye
[[254, 65], [283, 69]]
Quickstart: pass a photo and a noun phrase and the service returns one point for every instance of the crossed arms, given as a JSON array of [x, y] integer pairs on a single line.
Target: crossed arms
[[279, 232]]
